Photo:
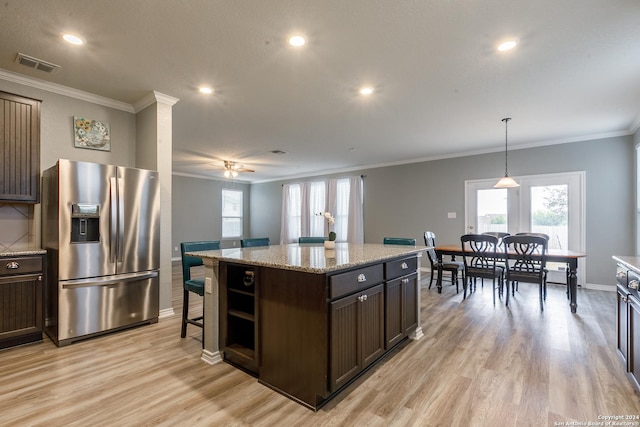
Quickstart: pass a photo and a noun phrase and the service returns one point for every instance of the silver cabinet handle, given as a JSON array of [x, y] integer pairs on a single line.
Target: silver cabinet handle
[[362, 298], [633, 284], [362, 278], [405, 281], [13, 265], [404, 266]]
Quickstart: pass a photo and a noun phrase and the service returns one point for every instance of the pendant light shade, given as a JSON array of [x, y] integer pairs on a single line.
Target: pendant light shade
[[507, 181]]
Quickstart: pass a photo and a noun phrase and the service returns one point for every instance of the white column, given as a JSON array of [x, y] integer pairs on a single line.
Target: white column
[[211, 351], [417, 334], [153, 151]]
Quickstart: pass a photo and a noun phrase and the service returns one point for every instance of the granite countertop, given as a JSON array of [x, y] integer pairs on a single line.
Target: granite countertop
[[16, 252], [311, 258], [633, 262]]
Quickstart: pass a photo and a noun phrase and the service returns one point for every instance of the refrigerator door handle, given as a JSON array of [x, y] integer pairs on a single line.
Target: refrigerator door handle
[[120, 219], [113, 242], [108, 280]]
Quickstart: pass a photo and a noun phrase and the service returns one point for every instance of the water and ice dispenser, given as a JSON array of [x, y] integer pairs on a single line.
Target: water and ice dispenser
[[85, 223]]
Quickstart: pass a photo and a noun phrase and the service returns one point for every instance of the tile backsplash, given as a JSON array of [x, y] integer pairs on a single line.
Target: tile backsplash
[[16, 223]]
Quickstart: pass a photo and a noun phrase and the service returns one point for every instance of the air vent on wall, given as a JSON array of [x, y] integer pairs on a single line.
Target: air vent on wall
[[38, 64]]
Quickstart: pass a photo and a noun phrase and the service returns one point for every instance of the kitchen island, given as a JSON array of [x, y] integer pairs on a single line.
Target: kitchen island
[[307, 321]]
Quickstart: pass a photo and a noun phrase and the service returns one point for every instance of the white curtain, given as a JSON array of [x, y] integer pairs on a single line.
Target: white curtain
[[355, 200], [302, 202]]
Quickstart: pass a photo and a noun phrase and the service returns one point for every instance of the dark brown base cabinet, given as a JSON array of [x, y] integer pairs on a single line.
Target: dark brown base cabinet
[[629, 333], [309, 334], [21, 309], [357, 334]]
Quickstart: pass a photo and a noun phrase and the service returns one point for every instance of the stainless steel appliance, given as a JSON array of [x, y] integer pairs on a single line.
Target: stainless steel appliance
[[101, 229]]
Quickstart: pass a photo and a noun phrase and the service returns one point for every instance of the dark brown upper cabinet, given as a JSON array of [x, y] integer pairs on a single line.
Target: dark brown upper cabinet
[[20, 149]]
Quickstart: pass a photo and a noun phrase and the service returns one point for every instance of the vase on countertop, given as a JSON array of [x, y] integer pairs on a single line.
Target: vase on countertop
[[329, 244]]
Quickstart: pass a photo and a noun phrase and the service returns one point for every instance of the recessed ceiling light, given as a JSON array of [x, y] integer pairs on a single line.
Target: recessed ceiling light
[[73, 39], [206, 90], [297, 41], [366, 90], [508, 45]]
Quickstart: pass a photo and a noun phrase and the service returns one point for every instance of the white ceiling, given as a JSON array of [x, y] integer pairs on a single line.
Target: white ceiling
[[441, 86]]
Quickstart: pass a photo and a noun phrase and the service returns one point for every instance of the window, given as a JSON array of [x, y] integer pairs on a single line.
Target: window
[[231, 213], [302, 202]]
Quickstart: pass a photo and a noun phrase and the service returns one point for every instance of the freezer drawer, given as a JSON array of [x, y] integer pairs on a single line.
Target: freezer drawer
[[89, 307]]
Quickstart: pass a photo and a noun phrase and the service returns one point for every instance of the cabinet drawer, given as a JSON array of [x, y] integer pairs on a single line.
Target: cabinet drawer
[[23, 265], [352, 281], [400, 267]]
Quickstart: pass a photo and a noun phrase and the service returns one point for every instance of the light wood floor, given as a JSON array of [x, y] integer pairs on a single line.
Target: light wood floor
[[477, 365]]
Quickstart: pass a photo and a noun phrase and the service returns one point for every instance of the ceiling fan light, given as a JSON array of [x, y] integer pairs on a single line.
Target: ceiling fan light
[[506, 182], [234, 173], [227, 173]]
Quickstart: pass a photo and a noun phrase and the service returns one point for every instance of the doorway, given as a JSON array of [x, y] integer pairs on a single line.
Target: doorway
[[552, 204]]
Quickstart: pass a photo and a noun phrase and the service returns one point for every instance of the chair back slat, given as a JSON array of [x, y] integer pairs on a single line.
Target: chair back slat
[[258, 241], [312, 239], [399, 241], [430, 243], [194, 261]]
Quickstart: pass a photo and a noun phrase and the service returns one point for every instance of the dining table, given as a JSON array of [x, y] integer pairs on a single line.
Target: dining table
[[565, 256]]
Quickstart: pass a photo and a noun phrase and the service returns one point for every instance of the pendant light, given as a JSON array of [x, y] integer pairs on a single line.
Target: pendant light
[[507, 181]]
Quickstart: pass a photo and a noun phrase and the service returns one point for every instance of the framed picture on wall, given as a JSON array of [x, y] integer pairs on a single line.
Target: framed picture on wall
[[93, 134]]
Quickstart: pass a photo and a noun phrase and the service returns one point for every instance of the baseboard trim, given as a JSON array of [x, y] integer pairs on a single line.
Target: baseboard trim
[[211, 358], [598, 287], [166, 312]]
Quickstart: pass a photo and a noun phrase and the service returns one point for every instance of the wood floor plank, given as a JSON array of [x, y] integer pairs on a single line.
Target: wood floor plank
[[478, 364]]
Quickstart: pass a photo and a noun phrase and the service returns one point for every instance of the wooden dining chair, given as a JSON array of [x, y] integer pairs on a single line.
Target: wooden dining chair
[[480, 257], [546, 237], [527, 262], [455, 268], [499, 234]]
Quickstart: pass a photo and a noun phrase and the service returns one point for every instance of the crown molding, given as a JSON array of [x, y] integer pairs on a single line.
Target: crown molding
[[152, 98], [211, 178], [449, 156], [65, 91]]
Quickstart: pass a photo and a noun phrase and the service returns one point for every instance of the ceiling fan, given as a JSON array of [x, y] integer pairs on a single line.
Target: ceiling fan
[[231, 169]]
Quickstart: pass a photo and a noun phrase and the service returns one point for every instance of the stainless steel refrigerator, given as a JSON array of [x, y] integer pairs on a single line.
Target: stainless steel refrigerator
[[101, 229]]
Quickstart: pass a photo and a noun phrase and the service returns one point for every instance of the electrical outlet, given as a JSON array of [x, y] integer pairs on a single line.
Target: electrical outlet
[[175, 249], [207, 285]]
